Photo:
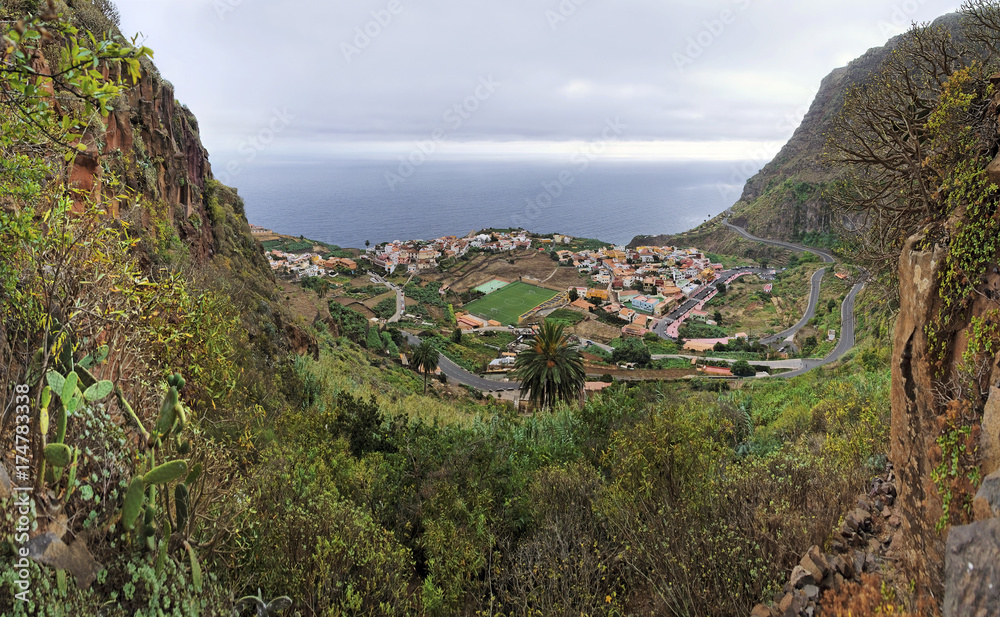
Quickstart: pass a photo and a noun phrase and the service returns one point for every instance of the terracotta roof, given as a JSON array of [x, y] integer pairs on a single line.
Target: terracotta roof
[[715, 370]]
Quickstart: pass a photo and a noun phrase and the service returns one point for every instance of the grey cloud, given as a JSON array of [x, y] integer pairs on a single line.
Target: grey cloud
[[676, 70]]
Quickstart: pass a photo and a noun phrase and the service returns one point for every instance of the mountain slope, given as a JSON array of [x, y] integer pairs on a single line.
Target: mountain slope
[[785, 200]]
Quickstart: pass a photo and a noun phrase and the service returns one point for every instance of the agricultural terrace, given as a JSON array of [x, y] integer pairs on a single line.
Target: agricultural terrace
[[507, 304]]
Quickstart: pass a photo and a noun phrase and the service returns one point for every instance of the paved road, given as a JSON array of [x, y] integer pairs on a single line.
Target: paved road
[[815, 283], [726, 275], [457, 374], [847, 319], [400, 298], [798, 248], [794, 363], [846, 342]]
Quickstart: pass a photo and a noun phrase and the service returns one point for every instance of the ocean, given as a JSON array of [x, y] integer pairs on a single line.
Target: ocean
[[346, 202]]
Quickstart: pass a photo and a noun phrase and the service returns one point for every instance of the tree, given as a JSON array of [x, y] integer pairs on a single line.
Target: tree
[[374, 340], [573, 295], [742, 368], [367, 243], [27, 94], [722, 288], [832, 304], [982, 24], [809, 344], [425, 359], [456, 336], [633, 351], [898, 149], [386, 308], [717, 317], [550, 370], [390, 345]]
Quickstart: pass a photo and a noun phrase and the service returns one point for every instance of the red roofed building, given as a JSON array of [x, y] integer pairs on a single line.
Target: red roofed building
[[716, 371]]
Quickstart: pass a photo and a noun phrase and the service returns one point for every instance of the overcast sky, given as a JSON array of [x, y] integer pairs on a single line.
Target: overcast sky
[[722, 79]]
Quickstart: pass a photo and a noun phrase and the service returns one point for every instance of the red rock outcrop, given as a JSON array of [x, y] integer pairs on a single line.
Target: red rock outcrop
[[151, 142]]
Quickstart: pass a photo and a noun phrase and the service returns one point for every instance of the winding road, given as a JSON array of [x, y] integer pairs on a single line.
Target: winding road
[[798, 248], [400, 298], [847, 320], [459, 375], [814, 288]]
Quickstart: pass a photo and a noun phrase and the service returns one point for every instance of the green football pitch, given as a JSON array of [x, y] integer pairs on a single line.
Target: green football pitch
[[507, 304]]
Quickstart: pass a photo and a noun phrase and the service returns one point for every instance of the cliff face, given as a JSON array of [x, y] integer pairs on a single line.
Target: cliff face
[[945, 411], [785, 200], [146, 165], [915, 413], [150, 143]]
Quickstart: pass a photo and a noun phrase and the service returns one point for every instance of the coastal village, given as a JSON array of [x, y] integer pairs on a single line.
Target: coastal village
[[643, 292], [639, 285]]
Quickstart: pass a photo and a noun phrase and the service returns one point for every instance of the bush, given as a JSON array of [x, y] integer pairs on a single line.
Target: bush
[[632, 350], [386, 308], [318, 284], [566, 317], [689, 330], [351, 324], [327, 554], [742, 368]]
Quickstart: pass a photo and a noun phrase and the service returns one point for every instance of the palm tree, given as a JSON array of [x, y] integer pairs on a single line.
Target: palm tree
[[425, 358], [550, 370]]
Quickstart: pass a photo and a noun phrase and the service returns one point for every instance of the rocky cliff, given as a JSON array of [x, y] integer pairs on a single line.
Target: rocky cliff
[[945, 438], [146, 165], [786, 199], [915, 415]]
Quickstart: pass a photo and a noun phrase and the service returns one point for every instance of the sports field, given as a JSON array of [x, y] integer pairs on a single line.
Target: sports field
[[495, 284], [507, 304]]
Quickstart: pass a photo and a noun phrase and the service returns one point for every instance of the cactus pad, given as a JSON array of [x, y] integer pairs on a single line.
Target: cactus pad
[[133, 502], [167, 472], [58, 454]]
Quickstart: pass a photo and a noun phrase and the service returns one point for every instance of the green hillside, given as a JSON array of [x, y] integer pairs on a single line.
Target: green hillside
[[184, 434]]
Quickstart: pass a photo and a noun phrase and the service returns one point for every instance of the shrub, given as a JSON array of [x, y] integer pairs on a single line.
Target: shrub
[[742, 368], [386, 308], [632, 350]]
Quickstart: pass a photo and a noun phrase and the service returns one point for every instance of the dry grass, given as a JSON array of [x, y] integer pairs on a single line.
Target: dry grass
[[872, 596], [304, 304], [595, 331], [529, 264]]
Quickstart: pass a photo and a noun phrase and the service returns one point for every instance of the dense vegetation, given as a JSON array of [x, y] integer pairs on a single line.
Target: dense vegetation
[[357, 487], [565, 512]]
